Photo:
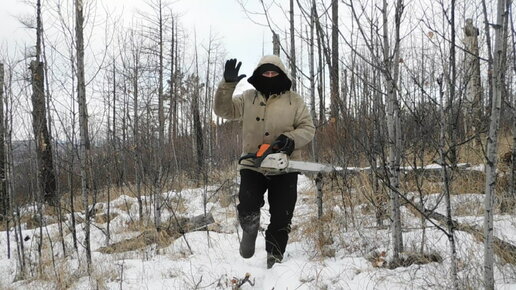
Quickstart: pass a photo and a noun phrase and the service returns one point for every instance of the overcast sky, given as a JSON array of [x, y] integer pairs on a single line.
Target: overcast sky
[[241, 38]]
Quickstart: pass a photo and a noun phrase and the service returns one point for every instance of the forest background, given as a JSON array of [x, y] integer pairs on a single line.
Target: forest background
[[100, 103]]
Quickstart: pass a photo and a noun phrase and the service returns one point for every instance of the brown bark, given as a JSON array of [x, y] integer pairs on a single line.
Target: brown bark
[[46, 176]]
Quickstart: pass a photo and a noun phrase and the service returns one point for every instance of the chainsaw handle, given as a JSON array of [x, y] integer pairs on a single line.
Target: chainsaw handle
[[257, 158], [247, 156], [264, 150]]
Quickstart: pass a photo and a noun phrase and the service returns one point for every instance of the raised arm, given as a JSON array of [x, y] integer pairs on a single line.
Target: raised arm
[[226, 106]]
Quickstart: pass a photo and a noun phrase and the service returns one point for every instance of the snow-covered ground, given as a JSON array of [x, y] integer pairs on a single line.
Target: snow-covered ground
[[210, 259]]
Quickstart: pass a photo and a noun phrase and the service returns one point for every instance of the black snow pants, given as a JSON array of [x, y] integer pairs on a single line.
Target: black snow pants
[[282, 196]]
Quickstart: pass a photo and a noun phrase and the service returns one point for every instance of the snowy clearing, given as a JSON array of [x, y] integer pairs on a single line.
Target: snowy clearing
[[210, 259]]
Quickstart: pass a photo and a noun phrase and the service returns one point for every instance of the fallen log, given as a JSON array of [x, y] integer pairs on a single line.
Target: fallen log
[[170, 232], [505, 250]]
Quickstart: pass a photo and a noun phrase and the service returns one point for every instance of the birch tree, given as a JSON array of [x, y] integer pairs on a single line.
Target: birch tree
[[498, 84], [391, 59], [83, 126]]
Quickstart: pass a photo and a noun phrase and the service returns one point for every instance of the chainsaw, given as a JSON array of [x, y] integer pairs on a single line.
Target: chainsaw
[[274, 162]]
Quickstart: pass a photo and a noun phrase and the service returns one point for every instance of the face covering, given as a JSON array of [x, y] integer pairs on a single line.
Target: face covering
[[270, 86]]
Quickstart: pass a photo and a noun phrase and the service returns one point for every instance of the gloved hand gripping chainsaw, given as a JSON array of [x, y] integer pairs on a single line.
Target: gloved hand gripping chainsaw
[[274, 159]]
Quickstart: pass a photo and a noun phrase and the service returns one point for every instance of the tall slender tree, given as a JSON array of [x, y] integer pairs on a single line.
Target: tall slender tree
[[334, 68], [4, 198], [83, 126], [498, 85], [391, 59], [292, 57]]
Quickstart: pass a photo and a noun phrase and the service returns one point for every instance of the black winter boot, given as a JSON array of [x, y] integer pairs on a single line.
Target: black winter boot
[[273, 259], [250, 225]]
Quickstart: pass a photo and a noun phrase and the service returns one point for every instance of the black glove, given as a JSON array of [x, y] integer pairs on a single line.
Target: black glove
[[283, 144], [231, 71]]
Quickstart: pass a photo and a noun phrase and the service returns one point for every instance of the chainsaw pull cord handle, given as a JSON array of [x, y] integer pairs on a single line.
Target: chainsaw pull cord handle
[[263, 151]]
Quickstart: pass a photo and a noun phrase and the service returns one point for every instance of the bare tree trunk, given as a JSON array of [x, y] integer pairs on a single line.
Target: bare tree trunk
[[311, 63], [393, 127], [14, 214], [114, 160], [377, 152], [45, 167], [71, 153], [450, 116], [41, 55], [136, 137], [46, 176], [487, 31], [197, 126], [275, 44], [319, 186], [158, 201], [447, 186], [499, 62], [474, 85], [510, 199], [334, 68], [172, 82], [207, 108], [4, 199], [177, 84], [83, 124], [293, 66], [321, 72]]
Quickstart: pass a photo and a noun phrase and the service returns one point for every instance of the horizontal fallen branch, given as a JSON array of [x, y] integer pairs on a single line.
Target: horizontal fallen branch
[[505, 250], [163, 238]]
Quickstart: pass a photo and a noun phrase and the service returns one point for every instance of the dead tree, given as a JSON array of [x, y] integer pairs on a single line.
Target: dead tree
[[45, 166], [161, 119], [157, 26], [135, 74], [275, 44], [474, 85], [197, 124], [46, 176]]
